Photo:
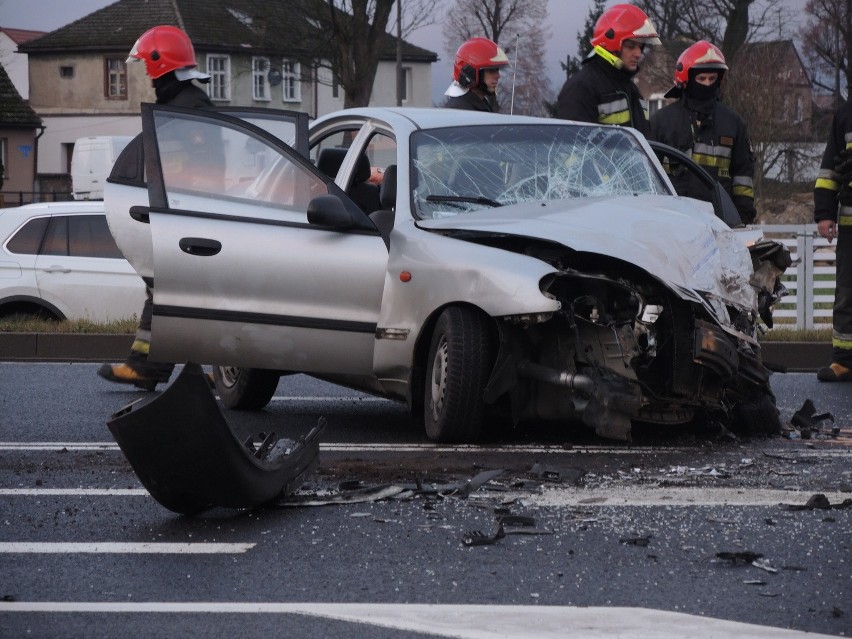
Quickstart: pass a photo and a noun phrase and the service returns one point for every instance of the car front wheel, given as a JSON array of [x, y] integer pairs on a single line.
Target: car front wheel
[[245, 388], [460, 360]]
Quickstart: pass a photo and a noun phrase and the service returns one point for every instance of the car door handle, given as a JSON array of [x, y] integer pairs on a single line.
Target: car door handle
[[200, 246], [140, 214], [56, 269]]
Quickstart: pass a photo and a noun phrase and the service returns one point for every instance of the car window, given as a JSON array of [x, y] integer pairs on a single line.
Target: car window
[[79, 236], [225, 164], [27, 240], [457, 170]]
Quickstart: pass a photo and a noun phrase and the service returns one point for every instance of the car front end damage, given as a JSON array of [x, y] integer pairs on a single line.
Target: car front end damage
[[627, 346]]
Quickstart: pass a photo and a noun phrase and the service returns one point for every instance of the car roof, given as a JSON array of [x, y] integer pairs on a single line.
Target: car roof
[[53, 208], [420, 117]]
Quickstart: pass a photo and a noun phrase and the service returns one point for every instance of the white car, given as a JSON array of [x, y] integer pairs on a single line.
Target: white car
[[58, 260], [538, 268]]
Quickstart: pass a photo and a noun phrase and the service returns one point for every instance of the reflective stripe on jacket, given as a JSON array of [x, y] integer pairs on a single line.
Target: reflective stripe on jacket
[[718, 141], [602, 94]]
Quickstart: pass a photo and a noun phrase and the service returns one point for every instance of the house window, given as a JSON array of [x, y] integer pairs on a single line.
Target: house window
[[219, 69], [292, 88], [260, 78], [335, 87], [66, 71], [3, 162], [115, 79]]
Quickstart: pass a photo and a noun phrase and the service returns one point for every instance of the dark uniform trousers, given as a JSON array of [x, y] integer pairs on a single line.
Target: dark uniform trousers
[[827, 207]]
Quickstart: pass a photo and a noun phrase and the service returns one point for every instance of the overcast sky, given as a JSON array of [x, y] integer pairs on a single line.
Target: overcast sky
[[567, 17]]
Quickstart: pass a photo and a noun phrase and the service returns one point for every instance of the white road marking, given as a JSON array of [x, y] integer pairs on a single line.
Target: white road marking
[[123, 548], [460, 621], [343, 447]]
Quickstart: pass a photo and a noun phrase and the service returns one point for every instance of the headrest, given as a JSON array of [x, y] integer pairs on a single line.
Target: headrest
[[387, 191], [330, 159], [362, 169]]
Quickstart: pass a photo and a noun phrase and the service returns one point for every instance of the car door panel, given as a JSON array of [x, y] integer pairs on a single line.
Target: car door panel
[[259, 286]]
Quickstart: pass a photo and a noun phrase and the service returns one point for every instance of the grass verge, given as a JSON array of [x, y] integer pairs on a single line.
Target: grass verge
[[23, 324]]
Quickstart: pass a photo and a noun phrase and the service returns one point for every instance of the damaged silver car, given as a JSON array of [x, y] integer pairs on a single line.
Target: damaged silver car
[[468, 265]]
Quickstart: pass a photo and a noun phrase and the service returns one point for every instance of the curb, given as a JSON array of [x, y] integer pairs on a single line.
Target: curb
[[63, 347], [794, 357]]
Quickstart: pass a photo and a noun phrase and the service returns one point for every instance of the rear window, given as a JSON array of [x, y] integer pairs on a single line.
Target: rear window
[[68, 235], [28, 238]]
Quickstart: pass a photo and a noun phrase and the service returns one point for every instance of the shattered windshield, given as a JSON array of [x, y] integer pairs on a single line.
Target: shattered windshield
[[463, 169]]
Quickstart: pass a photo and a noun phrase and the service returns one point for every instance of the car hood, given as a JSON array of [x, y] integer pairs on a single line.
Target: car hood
[[677, 240]]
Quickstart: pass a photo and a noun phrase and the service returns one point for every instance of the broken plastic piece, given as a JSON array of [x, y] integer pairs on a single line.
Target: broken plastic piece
[[764, 564], [479, 538], [185, 454], [806, 420], [739, 558]]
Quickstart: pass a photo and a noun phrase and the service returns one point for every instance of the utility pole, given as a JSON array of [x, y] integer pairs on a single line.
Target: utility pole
[[399, 76]]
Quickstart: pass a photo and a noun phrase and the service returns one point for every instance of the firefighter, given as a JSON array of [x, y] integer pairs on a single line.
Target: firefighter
[[603, 90], [833, 215], [476, 74], [714, 135], [169, 60]]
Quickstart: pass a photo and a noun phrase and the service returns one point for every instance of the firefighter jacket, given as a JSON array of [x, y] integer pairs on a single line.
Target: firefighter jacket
[[470, 101], [717, 139], [829, 182], [603, 94]]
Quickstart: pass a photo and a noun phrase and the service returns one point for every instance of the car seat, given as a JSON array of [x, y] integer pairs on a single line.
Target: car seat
[[362, 192], [383, 218]]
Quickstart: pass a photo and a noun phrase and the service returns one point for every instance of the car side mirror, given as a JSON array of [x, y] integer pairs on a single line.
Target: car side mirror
[[329, 210]]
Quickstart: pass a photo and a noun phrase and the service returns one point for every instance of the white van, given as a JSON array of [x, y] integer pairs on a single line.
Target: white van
[[91, 163]]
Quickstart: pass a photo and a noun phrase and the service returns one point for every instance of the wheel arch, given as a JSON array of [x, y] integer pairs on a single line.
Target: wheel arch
[[30, 305]]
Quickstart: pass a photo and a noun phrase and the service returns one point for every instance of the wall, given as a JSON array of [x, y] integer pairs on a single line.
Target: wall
[[20, 152]]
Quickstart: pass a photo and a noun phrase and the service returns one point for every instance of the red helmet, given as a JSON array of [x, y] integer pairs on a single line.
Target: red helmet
[[701, 56], [475, 55], [163, 49], [623, 22]]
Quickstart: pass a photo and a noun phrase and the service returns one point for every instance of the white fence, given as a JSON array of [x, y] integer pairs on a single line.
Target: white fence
[[810, 280]]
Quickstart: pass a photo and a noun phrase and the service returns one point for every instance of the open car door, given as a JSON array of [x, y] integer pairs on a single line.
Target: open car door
[[243, 274]]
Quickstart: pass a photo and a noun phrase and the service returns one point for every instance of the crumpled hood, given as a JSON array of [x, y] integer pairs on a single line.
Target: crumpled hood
[[674, 239]]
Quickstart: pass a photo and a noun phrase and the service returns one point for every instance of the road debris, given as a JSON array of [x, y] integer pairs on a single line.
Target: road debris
[[820, 502], [188, 458], [636, 541], [739, 558], [807, 424], [479, 538], [764, 564]]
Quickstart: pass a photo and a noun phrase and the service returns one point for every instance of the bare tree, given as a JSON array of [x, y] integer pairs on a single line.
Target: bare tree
[[357, 35], [520, 28], [727, 23], [828, 33]]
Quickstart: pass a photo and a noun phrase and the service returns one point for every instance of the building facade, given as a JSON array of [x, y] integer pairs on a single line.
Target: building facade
[[81, 84]]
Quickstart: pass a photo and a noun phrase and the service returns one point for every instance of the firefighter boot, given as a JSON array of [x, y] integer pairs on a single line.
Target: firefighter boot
[[834, 373], [124, 374]]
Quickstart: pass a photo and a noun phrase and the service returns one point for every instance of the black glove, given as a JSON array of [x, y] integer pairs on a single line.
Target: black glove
[[843, 164]]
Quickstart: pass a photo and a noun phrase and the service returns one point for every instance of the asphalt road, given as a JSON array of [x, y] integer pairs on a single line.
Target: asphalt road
[[650, 539]]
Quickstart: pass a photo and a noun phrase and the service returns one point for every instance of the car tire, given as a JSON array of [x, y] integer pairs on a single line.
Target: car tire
[[459, 364], [756, 416], [245, 388]]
